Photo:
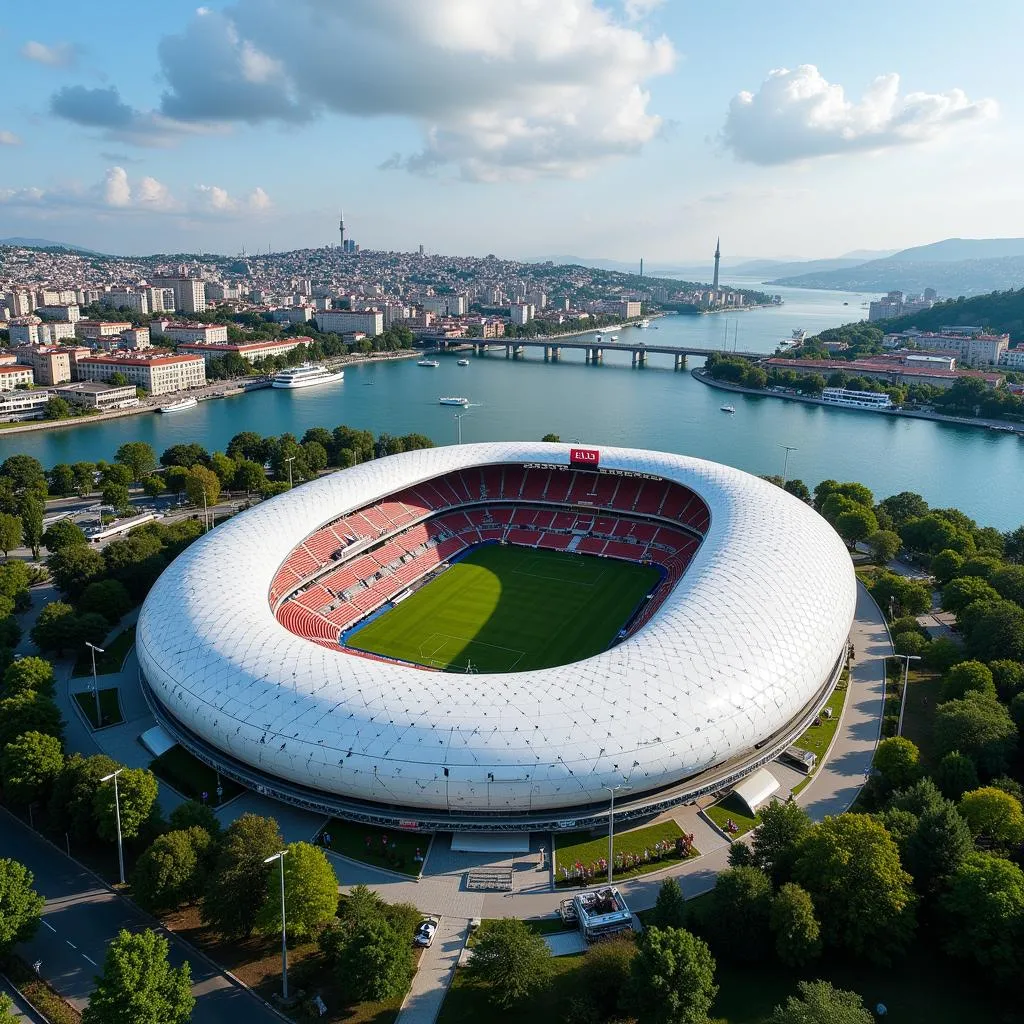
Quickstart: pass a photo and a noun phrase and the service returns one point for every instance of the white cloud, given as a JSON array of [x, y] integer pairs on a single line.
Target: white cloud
[[499, 88], [60, 55], [799, 115], [9, 139], [118, 193], [637, 9]]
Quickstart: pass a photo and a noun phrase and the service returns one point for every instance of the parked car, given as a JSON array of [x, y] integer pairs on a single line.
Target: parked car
[[425, 933]]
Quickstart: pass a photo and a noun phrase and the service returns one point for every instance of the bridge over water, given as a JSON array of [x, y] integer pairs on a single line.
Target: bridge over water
[[594, 347]]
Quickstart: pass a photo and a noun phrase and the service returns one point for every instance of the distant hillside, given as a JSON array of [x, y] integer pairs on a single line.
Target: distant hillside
[[778, 268], [997, 264], [45, 243], [998, 312]]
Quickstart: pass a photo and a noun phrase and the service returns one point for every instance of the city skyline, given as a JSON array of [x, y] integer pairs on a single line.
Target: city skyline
[[603, 130]]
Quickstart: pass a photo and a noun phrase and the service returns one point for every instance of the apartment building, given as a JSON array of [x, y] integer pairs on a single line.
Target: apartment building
[[254, 351], [12, 377], [208, 334], [158, 374], [344, 321]]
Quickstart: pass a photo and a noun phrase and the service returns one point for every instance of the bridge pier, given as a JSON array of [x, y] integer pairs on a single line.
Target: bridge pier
[[508, 351], [556, 353], [680, 361], [639, 357], [595, 355]]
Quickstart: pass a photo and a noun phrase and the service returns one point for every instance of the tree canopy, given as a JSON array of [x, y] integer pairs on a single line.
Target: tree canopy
[[20, 905], [310, 893], [672, 978]]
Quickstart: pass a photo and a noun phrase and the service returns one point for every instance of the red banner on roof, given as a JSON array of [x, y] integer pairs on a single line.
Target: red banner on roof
[[584, 456]]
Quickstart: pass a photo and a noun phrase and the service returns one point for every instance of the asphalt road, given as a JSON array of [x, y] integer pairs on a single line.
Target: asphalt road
[[81, 918]]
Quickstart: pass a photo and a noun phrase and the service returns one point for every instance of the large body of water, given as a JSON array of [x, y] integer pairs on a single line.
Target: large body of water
[[980, 471]]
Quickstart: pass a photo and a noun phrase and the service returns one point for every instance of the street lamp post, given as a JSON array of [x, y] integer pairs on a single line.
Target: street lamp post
[[785, 467], [907, 659], [279, 856], [95, 686], [117, 817], [458, 420], [290, 460], [611, 828]]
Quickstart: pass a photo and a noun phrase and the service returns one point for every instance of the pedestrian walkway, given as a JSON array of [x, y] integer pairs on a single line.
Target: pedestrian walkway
[[434, 974]]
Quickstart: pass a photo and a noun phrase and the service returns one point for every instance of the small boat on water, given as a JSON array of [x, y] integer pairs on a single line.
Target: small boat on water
[[180, 406], [729, 408], [463, 362], [454, 400], [306, 376], [614, 337], [432, 363], [644, 324]]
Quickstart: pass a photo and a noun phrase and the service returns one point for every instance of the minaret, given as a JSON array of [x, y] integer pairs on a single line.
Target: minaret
[[341, 229], [718, 256]]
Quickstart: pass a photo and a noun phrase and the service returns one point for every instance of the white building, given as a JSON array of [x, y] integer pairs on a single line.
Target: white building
[[68, 312], [12, 377], [209, 334], [521, 313], [294, 314], [118, 297], [23, 405], [1013, 358], [344, 321], [254, 351], [189, 292], [161, 300], [159, 375], [885, 309]]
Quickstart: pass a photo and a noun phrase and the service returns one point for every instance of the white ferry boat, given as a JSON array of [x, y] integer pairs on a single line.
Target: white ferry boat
[[463, 362], [454, 400], [306, 376], [180, 406], [856, 399], [432, 363], [728, 408], [644, 324]]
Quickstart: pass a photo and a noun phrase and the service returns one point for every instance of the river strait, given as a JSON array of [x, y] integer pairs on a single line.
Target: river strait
[[977, 470]]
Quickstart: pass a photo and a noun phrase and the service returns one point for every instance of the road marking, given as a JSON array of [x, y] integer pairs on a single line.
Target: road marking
[[90, 959], [50, 926], [71, 944]]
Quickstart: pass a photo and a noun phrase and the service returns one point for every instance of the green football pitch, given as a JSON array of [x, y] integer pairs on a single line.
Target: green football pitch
[[509, 609]]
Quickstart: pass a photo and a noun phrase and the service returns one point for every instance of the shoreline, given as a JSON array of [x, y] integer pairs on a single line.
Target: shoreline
[[236, 387], [996, 426]]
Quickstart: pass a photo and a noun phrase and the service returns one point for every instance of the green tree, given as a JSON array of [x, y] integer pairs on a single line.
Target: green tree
[[777, 840], [10, 533], [983, 909], [30, 764], [138, 457], [29, 674], [884, 545], [817, 1002], [856, 524], [670, 907], [1009, 582], [909, 597], [1008, 676], [946, 565], [602, 981], [738, 918], [371, 957], [965, 590], [224, 467], [551, 438], [937, 847], [996, 632], [903, 507], [851, 867], [978, 726], [137, 792], [84, 480], [249, 476], [1013, 545], [28, 711], [897, 762], [955, 774], [117, 497], [154, 485], [61, 480], [200, 481], [138, 984], [187, 455], [310, 893], [980, 566], [191, 814], [909, 643], [968, 677], [511, 960], [20, 904], [7, 1014], [73, 568], [118, 379], [108, 598], [63, 534], [995, 819], [32, 509], [672, 979], [238, 885], [796, 929], [171, 871], [71, 805], [56, 629]]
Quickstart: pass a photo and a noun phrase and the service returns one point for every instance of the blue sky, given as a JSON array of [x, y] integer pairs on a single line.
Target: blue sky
[[527, 128]]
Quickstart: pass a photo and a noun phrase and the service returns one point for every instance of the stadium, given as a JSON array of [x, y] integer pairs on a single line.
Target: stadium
[[491, 636]]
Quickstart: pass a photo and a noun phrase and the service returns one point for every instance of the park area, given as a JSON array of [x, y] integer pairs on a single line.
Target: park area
[[636, 852], [110, 707], [511, 609], [110, 660], [193, 779]]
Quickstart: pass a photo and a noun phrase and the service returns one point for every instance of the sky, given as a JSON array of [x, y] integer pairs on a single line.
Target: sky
[[529, 129]]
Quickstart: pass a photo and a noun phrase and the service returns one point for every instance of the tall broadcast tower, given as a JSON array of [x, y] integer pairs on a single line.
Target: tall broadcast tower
[[341, 230], [718, 256]]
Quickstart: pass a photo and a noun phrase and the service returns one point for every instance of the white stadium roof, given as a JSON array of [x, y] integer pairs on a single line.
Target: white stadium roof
[[745, 641]]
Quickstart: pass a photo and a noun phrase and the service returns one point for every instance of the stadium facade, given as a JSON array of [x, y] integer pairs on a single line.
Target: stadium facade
[[734, 655]]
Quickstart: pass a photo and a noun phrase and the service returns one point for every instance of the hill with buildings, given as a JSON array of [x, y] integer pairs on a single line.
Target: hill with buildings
[[999, 312], [954, 266]]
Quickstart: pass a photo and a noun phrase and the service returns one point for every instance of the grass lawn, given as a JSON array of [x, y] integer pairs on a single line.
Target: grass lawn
[[588, 849], [818, 738], [190, 777], [924, 694], [110, 708], [110, 660], [728, 808], [509, 609], [350, 840]]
